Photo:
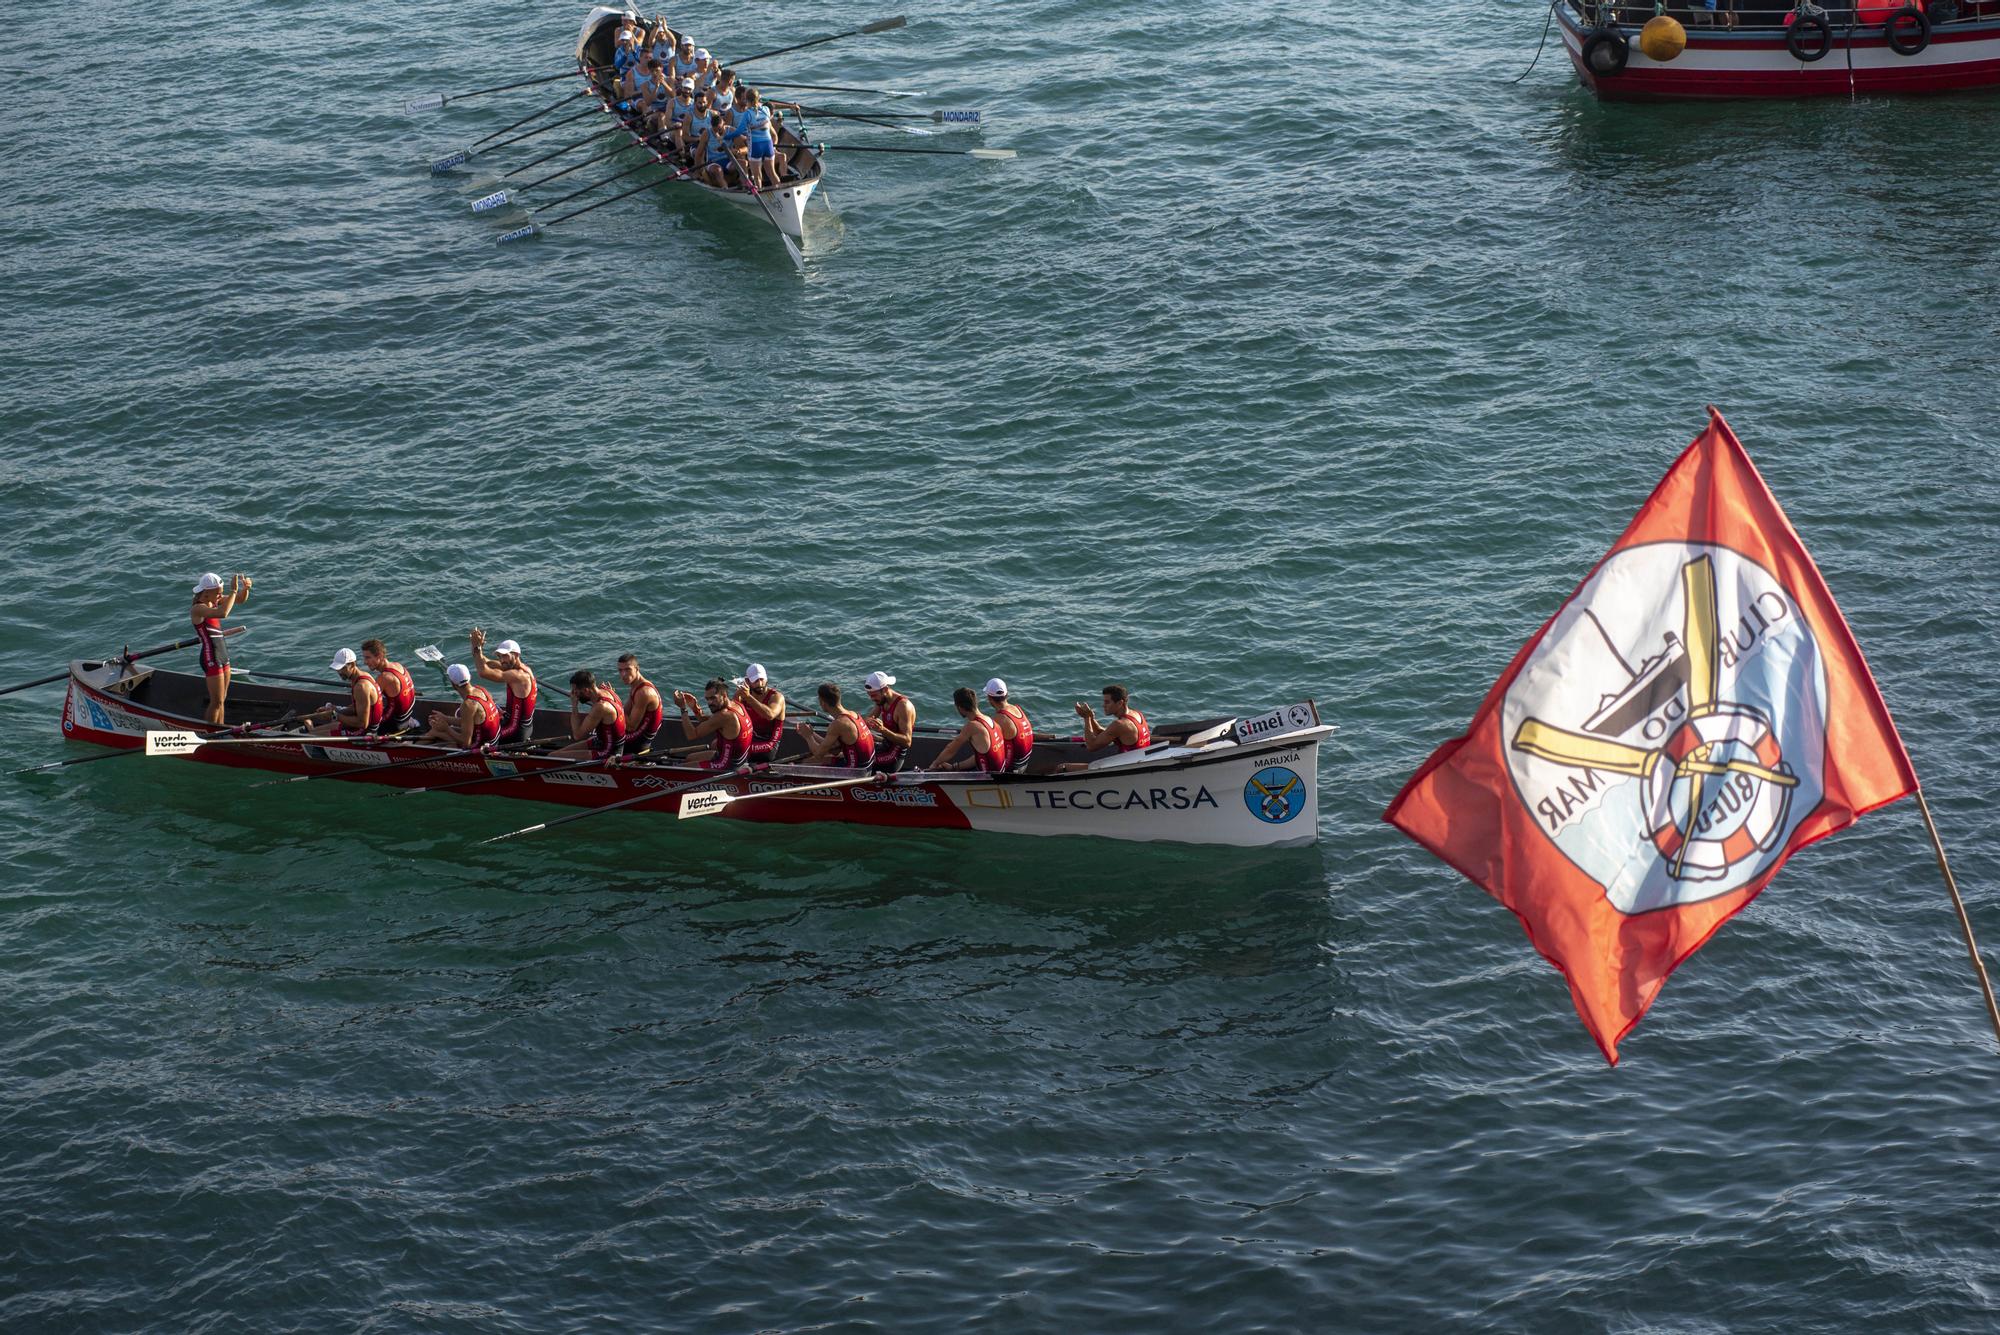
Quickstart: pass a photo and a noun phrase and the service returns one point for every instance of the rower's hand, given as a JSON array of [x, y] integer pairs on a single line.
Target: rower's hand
[[1083, 711], [478, 638]]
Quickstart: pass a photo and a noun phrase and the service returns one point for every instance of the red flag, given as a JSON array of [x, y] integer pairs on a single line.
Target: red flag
[[1696, 711]]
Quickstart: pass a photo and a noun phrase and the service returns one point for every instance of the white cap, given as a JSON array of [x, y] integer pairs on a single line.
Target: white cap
[[879, 681], [755, 672], [508, 647], [458, 674], [345, 658], [209, 581], [701, 53], [997, 689]]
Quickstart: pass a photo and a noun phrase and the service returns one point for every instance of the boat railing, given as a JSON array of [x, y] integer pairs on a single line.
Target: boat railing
[[1773, 15]]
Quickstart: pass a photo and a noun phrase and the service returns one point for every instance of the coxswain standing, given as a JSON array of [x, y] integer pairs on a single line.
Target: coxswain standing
[[846, 741], [399, 693], [212, 603], [982, 734], [645, 711], [765, 704], [753, 121], [474, 723], [1127, 729], [363, 714], [1013, 724], [517, 724], [600, 731], [726, 721], [894, 722]]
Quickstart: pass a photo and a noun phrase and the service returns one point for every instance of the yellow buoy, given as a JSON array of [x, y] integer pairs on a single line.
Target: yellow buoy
[[1662, 38]]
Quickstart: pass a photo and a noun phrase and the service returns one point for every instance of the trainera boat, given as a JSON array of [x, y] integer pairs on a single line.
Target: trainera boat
[[783, 208], [1246, 782], [1774, 49]]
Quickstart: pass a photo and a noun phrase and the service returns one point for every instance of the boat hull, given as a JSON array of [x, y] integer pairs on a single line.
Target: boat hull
[[1261, 794]]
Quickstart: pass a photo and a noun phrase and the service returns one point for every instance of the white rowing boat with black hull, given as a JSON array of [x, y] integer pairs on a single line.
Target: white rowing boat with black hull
[[784, 208]]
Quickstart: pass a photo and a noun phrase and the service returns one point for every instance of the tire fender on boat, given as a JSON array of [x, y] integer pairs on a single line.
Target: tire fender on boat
[[1605, 51], [1908, 30], [1809, 38]]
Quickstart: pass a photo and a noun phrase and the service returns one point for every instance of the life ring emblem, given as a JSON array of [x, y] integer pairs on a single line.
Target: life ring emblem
[[1706, 822]]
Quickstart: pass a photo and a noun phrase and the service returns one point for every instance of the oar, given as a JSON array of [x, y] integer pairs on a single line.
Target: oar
[[279, 676], [180, 742], [869, 120], [394, 764], [991, 154], [436, 101], [188, 643], [841, 88], [277, 722], [501, 778], [879, 25], [707, 804], [574, 143], [506, 196], [532, 227], [875, 118], [445, 164], [784, 236], [628, 802]]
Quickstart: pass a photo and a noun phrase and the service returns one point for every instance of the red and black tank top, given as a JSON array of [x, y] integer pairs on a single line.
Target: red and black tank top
[[1023, 740], [859, 753], [609, 735], [521, 709], [995, 758], [730, 751], [885, 714], [1145, 731], [399, 693], [373, 718], [487, 730], [646, 723], [764, 733]]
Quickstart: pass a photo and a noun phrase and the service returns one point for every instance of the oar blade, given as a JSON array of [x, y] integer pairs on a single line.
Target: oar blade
[[887, 25], [445, 164], [171, 743], [792, 249], [492, 201], [704, 804], [428, 102], [518, 234], [992, 154], [513, 834], [955, 117]]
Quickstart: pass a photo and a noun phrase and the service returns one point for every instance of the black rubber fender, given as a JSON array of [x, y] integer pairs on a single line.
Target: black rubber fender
[[1908, 30], [1809, 38], [1605, 51]]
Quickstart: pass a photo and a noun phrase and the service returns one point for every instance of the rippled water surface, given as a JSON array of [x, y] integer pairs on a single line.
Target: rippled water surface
[[1300, 353]]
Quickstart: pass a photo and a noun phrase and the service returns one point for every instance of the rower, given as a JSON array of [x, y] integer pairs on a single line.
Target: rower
[[716, 162], [600, 733], [662, 48], [726, 721], [628, 48], [517, 725], [399, 693], [980, 733], [1127, 730], [212, 603], [705, 68], [754, 121], [684, 128], [1013, 724], [846, 741], [474, 723], [894, 722], [363, 714], [722, 93], [685, 68], [645, 711], [765, 704]]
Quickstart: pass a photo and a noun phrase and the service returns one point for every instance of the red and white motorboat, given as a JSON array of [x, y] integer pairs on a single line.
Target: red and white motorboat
[[1764, 48]]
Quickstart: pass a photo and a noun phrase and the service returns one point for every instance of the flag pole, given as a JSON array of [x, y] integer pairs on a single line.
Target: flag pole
[[1964, 923]]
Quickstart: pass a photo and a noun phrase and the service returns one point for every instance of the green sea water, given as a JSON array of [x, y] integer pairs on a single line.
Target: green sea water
[[1299, 354]]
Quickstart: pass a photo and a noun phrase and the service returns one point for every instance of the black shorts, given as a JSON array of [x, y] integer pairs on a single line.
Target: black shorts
[[896, 766], [639, 743]]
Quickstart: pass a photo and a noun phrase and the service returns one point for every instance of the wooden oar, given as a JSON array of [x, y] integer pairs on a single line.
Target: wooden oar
[[445, 164], [188, 643], [707, 804], [628, 802], [436, 101], [501, 778], [991, 154], [879, 25], [277, 722]]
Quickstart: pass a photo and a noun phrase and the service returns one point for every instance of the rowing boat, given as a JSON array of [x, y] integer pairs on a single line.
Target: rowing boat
[[784, 208], [1248, 781]]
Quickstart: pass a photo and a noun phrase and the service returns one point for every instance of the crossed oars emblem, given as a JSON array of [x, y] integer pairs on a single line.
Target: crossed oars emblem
[[1275, 803], [1580, 750]]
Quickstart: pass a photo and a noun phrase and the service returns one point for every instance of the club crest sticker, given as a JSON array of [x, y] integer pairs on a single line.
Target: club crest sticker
[[1668, 733], [1275, 794]]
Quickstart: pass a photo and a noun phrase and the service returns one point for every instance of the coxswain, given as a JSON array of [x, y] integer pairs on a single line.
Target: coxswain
[[363, 714], [753, 121], [645, 711], [596, 719], [980, 733], [517, 725], [1127, 729], [1013, 724], [725, 721], [399, 693], [212, 602], [894, 722], [765, 704], [474, 723], [846, 741]]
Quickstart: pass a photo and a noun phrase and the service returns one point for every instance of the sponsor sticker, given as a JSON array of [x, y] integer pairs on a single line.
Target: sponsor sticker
[[581, 780], [895, 797], [1291, 718]]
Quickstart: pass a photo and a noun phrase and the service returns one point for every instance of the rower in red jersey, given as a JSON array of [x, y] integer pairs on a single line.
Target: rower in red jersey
[[363, 714], [894, 722], [645, 711], [1127, 729], [765, 704], [847, 742], [517, 724], [726, 721], [476, 722], [212, 602], [1013, 723], [399, 693], [600, 729], [981, 734]]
